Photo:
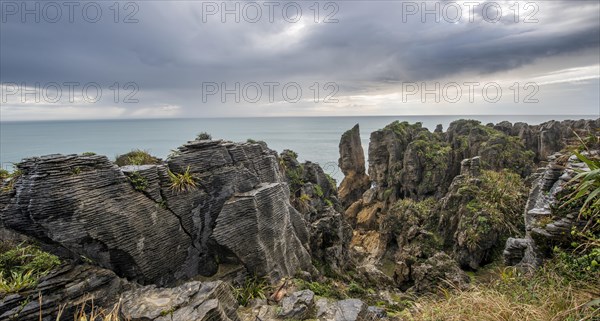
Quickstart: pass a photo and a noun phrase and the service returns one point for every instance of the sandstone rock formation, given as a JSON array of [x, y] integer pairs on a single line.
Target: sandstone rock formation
[[352, 164]]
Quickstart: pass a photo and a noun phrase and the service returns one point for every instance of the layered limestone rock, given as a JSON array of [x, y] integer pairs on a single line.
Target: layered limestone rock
[[258, 227], [131, 220], [480, 210], [88, 206], [406, 160], [352, 164]]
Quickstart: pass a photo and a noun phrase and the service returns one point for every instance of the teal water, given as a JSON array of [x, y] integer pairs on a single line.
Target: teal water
[[313, 138]]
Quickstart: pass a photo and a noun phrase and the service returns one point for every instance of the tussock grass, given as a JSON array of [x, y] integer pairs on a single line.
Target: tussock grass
[[182, 182], [545, 296], [253, 288], [21, 266]]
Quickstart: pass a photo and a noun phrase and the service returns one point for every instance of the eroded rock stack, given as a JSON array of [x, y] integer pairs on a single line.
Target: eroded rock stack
[[352, 164]]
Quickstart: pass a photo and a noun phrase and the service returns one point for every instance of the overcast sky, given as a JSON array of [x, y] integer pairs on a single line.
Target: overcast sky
[[173, 59]]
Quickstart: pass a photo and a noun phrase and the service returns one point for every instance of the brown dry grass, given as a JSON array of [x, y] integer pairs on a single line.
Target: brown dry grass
[[546, 296]]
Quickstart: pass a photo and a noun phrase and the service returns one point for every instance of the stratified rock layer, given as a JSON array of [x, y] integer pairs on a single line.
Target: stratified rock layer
[[257, 227]]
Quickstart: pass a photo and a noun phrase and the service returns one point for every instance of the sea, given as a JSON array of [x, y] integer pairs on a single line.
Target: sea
[[314, 138]]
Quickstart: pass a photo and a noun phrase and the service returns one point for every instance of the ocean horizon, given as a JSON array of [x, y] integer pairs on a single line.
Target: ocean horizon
[[314, 138]]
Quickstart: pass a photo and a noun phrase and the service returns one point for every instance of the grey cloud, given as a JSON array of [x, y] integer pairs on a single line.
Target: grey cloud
[[170, 52]]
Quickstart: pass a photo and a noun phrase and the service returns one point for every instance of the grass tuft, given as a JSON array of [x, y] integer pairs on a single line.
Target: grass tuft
[[182, 182], [253, 288], [22, 265]]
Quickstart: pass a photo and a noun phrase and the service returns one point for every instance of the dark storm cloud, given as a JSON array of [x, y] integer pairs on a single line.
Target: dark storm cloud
[[171, 51]]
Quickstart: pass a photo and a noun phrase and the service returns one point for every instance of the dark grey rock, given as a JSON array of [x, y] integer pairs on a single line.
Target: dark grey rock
[[298, 306], [257, 227], [345, 310]]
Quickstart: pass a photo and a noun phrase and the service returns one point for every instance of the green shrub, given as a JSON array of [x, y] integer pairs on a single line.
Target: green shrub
[[587, 187], [355, 289], [4, 174], [253, 141], [137, 157], [12, 179], [88, 154], [304, 198], [497, 202], [294, 176], [324, 289], [17, 281], [203, 136], [332, 182], [318, 190], [182, 182], [76, 170]]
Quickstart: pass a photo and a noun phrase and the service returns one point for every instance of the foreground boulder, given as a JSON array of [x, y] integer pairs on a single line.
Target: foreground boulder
[[209, 301], [303, 305]]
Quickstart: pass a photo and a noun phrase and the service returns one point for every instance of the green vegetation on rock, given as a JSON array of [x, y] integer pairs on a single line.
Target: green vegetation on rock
[[22, 265], [139, 182], [203, 136], [504, 293], [182, 182], [253, 288], [8, 180], [137, 157], [582, 196]]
